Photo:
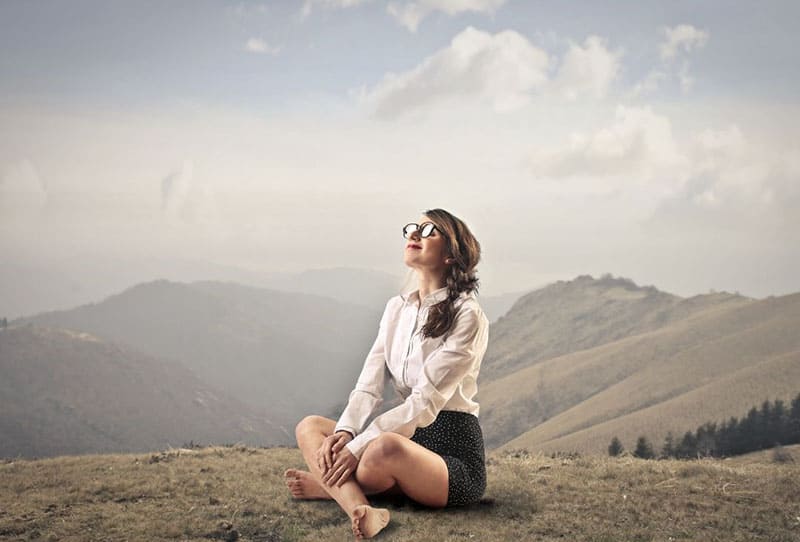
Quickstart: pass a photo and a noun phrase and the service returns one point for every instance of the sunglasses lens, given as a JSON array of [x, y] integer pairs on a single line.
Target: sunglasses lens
[[408, 229], [427, 229]]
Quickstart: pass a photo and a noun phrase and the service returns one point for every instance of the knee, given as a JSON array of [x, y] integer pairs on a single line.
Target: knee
[[383, 449], [308, 426]]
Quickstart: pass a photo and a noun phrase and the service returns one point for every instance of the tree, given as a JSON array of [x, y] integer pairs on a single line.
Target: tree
[[778, 425], [707, 439], [794, 421], [615, 448], [748, 440], [643, 448], [688, 446], [668, 450]]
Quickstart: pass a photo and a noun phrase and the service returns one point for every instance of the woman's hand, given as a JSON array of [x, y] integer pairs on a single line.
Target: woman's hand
[[331, 446], [343, 467]]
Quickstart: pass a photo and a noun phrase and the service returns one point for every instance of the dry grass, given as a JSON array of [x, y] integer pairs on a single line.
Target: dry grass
[[222, 493]]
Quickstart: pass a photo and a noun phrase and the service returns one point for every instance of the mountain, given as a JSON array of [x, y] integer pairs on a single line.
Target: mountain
[[69, 392], [725, 355], [365, 287], [568, 316], [30, 285], [286, 354]]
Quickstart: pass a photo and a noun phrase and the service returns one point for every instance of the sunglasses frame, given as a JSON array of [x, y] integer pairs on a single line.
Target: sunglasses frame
[[419, 228]]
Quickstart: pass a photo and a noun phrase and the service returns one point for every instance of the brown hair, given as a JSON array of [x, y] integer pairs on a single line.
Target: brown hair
[[460, 276]]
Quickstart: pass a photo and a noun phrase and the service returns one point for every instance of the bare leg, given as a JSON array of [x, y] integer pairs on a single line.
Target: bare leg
[[366, 521], [304, 486], [394, 460]]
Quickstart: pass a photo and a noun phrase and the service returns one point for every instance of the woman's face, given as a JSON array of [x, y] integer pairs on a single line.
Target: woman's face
[[425, 252]]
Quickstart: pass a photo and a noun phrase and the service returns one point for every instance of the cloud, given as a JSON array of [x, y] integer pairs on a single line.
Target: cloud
[[587, 70], [678, 42], [740, 193], [411, 14], [683, 36], [504, 70], [308, 5], [175, 189], [501, 69], [650, 83], [23, 193], [637, 147], [257, 45]]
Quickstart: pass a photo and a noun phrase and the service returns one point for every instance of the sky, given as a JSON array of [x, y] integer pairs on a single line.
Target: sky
[[652, 140]]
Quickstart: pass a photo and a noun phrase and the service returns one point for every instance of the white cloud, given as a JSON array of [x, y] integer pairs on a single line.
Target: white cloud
[[258, 45], [637, 147], [411, 14], [501, 69], [587, 70], [683, 36], [649, 84], [678, 42]]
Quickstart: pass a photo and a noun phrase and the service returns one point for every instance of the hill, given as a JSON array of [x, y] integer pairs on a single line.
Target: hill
[[568, 316], [237, 493], [67, 392], [252, 343], [716, 363]]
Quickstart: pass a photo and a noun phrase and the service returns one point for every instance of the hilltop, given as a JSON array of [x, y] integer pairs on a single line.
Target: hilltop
[[577, 363], [232, 493]]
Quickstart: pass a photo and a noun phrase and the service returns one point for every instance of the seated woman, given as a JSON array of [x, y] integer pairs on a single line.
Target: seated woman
[[431, 341]]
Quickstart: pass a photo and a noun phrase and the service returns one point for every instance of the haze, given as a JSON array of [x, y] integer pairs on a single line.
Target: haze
[[658, 141]]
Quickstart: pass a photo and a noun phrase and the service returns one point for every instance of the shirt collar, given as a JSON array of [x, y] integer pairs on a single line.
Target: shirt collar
[[431, 299]]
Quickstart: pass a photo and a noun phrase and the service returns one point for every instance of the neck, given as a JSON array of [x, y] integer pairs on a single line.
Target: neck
[[429, 283]]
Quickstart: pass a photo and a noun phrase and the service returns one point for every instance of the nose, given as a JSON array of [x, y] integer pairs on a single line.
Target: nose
[[415, 236]]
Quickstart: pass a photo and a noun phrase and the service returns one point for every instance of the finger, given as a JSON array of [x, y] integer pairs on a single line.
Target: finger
[[338, 445], [345, 476], [326, 458], [333, 473], [327, 473], [335, 476]]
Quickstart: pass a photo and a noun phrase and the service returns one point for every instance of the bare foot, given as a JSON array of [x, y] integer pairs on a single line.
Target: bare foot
[[369, 521], [303, 485]]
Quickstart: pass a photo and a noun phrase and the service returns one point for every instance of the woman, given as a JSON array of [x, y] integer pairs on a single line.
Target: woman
[[431, 341]]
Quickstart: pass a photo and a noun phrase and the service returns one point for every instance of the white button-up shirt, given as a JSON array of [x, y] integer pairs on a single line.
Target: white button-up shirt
[[430, 374]]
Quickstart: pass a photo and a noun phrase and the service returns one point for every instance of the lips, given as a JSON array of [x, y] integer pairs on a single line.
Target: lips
[[412, 245]]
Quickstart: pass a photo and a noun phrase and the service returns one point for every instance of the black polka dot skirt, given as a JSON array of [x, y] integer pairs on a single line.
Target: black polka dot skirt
[[457, 437]]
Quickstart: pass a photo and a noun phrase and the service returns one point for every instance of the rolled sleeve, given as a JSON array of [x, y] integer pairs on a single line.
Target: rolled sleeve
[[441, 374]]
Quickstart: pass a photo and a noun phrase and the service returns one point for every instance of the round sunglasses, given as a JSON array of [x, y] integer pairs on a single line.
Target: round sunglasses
[[425, 230]]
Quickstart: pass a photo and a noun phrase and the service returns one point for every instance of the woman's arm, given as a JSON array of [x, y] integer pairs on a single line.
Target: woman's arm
[[440, 376]]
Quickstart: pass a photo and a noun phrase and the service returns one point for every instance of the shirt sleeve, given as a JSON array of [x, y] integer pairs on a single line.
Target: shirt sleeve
[[441, 374], [368, 392]]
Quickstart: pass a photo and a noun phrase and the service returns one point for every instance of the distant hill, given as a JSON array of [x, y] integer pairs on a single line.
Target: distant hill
[[29, 287], [365, 287], [68, 392], [725, 355], [568, 316], [286, 354]]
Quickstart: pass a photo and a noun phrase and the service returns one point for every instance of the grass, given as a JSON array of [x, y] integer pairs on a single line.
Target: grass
[[229, 493]]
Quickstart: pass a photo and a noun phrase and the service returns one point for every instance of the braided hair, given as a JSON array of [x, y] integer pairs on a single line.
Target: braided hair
[[460, 276]]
